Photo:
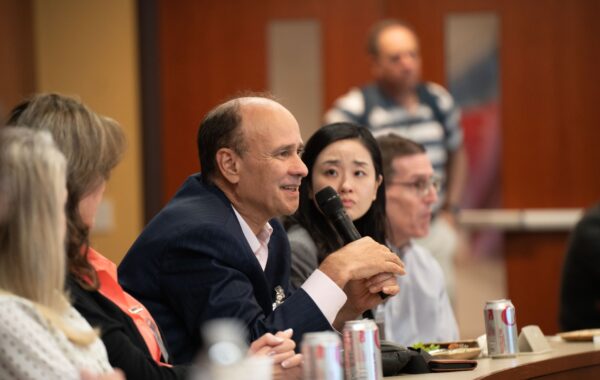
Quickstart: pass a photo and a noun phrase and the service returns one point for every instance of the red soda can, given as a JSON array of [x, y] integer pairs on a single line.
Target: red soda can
[[362, 350], [501, 328], [322, 356]]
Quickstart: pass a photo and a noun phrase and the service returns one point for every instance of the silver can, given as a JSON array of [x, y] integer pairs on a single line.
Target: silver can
[[322, 356], [501, 328], [362, 351]]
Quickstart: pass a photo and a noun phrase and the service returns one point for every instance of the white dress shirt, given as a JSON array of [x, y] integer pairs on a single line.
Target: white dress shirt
[[325, 293], [421, 312]]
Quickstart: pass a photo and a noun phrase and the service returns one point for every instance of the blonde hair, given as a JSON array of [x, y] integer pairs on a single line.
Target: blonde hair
[[32, 258], [92, 144]]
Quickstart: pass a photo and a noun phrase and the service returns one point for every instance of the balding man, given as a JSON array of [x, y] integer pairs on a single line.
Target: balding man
[[216, 250], [398, 102]]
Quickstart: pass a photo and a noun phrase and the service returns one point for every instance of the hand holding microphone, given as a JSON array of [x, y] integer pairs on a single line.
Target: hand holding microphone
[[368, 257]]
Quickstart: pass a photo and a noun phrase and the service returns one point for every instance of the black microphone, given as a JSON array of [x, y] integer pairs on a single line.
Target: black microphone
[[330, 204]]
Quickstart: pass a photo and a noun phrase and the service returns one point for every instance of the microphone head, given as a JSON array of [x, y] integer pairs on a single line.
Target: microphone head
[[329, 201]]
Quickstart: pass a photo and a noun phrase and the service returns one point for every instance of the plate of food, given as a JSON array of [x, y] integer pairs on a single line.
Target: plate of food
[[463, 349], [579, 335]]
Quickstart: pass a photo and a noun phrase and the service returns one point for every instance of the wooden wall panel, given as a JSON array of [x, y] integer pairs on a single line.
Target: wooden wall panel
[[211, 50], [549, 94], [17, 79], [533, 270], [550, 132], [346, 64]]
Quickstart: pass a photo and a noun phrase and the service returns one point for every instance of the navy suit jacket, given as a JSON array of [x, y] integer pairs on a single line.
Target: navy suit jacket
[[192, 263]]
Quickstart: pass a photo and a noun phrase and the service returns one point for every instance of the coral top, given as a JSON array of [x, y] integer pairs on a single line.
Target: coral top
[[110, 288]]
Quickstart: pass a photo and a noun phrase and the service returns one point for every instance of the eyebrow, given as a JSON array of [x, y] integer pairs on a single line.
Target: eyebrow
[[337, 162], [331, 162], [287, 147], [418, 177]]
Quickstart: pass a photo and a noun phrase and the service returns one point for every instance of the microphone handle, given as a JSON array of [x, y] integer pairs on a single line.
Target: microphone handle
[[349, 233], [345, 228]]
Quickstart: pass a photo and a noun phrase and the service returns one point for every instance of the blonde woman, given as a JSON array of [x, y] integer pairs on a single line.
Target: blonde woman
[[41, 335], [93, 146]]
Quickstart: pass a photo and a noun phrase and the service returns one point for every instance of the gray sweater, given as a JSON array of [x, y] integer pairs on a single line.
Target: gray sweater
[[304, 255]]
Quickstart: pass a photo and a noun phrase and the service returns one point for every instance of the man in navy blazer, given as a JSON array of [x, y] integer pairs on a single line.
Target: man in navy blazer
[[216, 250]]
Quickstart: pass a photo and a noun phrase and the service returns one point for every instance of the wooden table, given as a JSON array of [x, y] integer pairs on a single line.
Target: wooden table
[[567, 360]]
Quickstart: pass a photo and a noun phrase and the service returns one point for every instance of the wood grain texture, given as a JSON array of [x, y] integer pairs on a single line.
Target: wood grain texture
[[17, 76], [549, 137], [212, 50]]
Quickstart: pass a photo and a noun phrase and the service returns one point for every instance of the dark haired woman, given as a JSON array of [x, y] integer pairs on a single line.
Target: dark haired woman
[[346, 157]]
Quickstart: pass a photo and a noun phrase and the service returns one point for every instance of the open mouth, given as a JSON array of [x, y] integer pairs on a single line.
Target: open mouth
[[292, 188]]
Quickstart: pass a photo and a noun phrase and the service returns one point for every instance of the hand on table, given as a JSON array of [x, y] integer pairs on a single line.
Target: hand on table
[[286, 363]]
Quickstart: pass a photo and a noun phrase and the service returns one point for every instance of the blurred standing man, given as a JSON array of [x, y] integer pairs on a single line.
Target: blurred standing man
[[398, 102], [217, 251], [421, 312]]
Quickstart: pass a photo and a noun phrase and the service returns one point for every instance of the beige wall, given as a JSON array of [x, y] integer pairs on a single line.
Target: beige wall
[[89, 49]]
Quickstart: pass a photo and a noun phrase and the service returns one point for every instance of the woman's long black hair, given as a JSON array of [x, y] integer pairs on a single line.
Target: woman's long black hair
[[308, 215]]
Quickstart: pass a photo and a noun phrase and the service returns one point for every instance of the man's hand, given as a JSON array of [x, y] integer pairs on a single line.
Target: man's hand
[[286, 363], [360, 260], [364, 295], [383, 282]]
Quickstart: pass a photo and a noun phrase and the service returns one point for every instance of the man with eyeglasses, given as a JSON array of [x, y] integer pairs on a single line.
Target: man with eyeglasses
[[421, 312]]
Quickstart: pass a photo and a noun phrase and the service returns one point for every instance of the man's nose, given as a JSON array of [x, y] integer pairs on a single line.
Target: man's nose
[[407, 60], [298, 167], [432, 195]]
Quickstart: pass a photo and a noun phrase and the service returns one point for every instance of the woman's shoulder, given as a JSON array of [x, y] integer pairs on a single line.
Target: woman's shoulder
[[12, 300], [13, 307], [29, 343], [95, 308], [301, 242], [296, 230], [297, 233]]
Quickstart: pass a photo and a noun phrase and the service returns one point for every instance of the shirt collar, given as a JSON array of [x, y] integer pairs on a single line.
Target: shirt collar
[[253, 240], [400, 251], [101, 263]]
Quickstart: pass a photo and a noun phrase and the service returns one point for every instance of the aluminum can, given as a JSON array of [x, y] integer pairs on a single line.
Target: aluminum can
[[501, 328], [362, 350], [322, 356]]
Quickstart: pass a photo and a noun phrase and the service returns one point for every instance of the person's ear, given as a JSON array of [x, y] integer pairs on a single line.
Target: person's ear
[[228, 163]]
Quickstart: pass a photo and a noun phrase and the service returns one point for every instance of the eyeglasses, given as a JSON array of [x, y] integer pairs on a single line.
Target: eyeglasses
[[421, 187]]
